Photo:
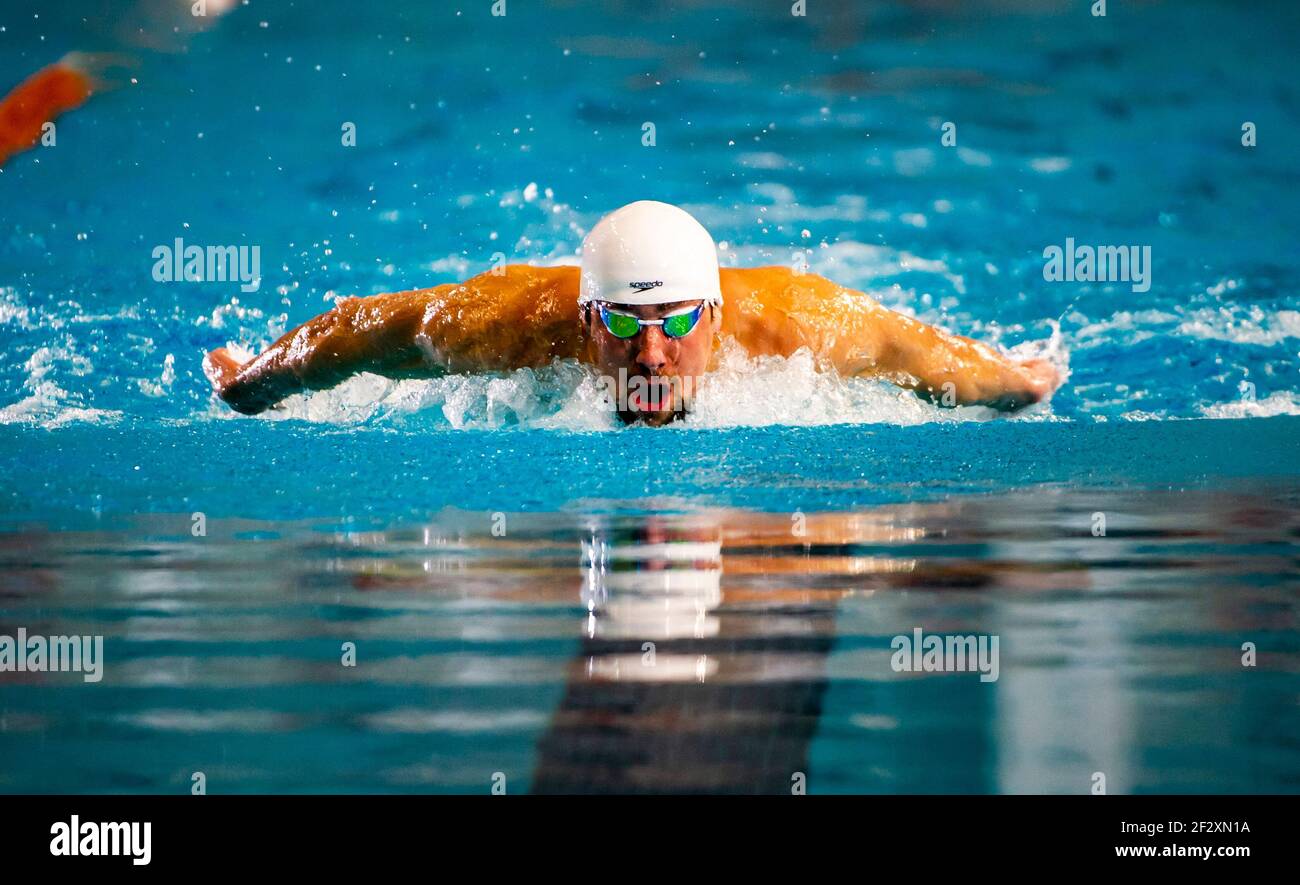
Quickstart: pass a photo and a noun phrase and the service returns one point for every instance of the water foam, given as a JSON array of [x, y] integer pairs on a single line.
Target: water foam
[[1235, 324], [47, 403], [566, 395], [1281, 402]]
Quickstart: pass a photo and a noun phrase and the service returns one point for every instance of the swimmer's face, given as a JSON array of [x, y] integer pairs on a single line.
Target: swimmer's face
[[654, 374]]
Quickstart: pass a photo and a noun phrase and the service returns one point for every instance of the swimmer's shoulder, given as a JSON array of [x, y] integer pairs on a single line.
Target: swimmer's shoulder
[[757, 289], [522, 289], [759, 310], [776, 310], [512, 316]]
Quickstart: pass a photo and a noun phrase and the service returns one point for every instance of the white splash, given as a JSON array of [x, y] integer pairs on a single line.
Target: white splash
[[1242, 325], [48, 405], [742, 391], [163, 386], [1281, 402], [748, 391], [1238, 324]]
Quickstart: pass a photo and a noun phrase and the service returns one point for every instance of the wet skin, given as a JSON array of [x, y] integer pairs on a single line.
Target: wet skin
[[524, 316], [668, 367]]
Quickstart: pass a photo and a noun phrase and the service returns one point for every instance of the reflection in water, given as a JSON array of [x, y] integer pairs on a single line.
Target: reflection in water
[[673, 692], [702, 651]]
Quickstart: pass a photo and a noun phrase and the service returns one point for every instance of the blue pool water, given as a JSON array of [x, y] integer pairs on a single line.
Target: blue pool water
[[367, 514]]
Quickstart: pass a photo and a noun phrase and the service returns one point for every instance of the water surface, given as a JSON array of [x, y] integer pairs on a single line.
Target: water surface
[[365, 514]]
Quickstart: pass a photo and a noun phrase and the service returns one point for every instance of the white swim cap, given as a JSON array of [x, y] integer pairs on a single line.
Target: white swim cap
[[649, 253]]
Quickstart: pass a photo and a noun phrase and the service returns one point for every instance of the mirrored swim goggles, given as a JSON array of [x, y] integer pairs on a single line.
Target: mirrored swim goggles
[[674, 325]]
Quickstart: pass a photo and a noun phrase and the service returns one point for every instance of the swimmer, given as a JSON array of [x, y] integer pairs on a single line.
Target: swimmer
[[28, 112], [35, 103], [648, 307]]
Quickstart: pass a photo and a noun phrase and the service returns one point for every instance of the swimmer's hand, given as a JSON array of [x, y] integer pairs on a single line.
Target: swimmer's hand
[[1042, 379], [222, 370], [376, 334], [1005, 384]]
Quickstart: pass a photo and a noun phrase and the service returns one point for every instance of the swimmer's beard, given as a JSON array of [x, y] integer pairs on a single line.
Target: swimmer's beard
[[648, 399], [662, 400], [651, 419]]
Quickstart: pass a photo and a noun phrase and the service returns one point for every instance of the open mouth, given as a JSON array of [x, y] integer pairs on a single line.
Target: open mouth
[[658, 400], [650, 400], [650, 395]]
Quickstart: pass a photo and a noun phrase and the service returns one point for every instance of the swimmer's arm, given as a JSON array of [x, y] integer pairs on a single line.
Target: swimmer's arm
[[376, 334], [775, 311], [496, 321], [952, 370]]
